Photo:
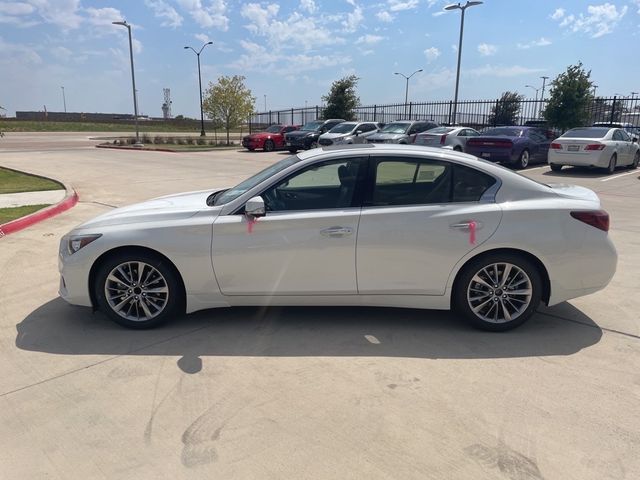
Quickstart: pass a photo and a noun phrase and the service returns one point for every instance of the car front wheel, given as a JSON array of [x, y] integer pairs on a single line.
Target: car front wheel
[[269, 146], [636, 161], [612, 164], [498, 292], [555, 167], [137, 290]]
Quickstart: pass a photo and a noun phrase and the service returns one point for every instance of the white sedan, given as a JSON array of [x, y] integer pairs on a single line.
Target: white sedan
[[375, 225], [601, 147]]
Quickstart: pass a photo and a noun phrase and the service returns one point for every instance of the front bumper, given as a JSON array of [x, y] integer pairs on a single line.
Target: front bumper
[[74, 276], [299, 142], [250, 143]]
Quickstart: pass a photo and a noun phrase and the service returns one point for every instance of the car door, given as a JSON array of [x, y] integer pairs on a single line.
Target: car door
[[416, 223], [540, 145], [625, 147], [304, 245]]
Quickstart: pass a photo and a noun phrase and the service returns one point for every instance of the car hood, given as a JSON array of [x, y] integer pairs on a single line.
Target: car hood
[[387, 136], [302, 133], [332, 136], [263, 135], [171, 207]]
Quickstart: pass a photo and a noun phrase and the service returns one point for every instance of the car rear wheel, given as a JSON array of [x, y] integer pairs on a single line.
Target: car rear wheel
[[523, 160], [137, 290], [457, 148], [636, 161], [612, 164], [313, 144], [250, 149], [555, 167], [498, 292], [292, 150], [269, 146]]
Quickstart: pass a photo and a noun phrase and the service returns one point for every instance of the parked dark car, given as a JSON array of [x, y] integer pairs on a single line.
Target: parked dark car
[[307, 137], [401, 131], [271, 139], [511, 146]]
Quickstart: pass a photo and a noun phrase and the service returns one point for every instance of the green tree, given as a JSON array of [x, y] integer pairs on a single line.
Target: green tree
[[506, 109], [342, 99], [570, 98], [228, 102]]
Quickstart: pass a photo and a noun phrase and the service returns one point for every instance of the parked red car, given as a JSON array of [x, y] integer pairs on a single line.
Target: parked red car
[[271, 139]]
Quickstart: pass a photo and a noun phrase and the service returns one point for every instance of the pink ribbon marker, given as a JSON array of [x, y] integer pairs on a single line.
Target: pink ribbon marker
[[251, 221], [472, 232]]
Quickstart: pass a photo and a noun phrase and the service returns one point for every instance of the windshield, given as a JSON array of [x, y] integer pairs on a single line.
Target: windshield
[[344, 127], [440, 130], [506, 131], [273, 129], [586, 133], [312, 126], [251, 182], [396, 128]]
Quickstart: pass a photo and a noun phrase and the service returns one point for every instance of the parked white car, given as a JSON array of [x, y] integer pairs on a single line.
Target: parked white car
[[374, 225], [601, 147], [347, 133], [454, 138]]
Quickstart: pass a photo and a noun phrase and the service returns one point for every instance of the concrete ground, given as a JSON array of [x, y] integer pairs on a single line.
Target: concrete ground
[[9, 200], [303, 393]]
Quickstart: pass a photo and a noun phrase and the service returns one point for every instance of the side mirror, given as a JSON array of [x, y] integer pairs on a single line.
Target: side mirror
[[255, 207], [358, 132]]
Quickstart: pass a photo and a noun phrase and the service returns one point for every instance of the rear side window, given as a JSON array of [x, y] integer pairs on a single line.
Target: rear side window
[[423, 182]]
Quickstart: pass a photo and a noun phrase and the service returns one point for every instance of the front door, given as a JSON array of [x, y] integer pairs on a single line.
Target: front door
[[304, 245], [416, 224]]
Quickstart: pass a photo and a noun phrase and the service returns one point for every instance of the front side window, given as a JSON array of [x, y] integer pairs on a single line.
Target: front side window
[[312, 126], [327, 185], [422, 182], [273, 129], [396, 128]]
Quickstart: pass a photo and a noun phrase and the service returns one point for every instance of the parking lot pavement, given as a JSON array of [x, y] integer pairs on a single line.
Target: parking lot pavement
[[305, 392]]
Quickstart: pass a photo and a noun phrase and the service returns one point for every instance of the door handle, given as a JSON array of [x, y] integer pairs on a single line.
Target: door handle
[[465, 225], [336, 232]]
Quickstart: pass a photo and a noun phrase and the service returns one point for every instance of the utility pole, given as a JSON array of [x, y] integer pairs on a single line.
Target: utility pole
[[544, 82], [202, 134], [133, 80], [64, 100]]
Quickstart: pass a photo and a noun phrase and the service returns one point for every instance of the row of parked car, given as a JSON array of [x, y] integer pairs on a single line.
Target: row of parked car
[[603, 146]]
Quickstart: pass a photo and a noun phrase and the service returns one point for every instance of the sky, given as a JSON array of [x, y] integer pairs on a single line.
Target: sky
[[292, 50]]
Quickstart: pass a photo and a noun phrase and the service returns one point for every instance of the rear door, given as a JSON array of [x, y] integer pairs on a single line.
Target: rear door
[[416, 223]]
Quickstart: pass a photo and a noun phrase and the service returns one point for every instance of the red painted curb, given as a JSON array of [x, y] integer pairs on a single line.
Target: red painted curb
[[20, 223]]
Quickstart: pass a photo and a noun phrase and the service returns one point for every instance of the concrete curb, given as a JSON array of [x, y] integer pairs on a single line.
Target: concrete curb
[[137, 148], [66, 203]]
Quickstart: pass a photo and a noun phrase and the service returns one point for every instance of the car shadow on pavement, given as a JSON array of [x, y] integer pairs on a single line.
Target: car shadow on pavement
[[579, 172], [59, 328]]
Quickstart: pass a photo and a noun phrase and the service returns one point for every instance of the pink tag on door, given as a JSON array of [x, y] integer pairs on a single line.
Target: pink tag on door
[[251, 221], [472, 232]]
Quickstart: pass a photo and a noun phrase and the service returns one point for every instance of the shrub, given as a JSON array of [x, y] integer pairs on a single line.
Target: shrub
[[201, 141], [158, 140], [180, 141], [170, 140], [190, 141], [146, 138]]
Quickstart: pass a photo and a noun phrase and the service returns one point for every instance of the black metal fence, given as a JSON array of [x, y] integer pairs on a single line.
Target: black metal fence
[[473, 113]]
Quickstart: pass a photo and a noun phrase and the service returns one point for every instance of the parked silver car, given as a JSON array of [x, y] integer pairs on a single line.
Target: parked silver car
[[454, 138], [348, 133], [401, 131]]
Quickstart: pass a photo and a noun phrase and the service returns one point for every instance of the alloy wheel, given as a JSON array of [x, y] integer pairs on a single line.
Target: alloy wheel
[[499, 292], [136, 291]]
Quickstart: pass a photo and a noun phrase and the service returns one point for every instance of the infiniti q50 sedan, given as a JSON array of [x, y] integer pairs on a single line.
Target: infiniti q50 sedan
[[375, 225]]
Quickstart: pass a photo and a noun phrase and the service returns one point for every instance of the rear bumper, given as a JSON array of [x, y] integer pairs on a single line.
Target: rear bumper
[[578, 159], [496, 156]]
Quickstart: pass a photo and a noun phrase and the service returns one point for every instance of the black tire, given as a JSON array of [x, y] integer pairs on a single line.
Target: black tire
[[523, 160], [555, 167], [636, 161], [457, 148], [292, 150], [313, 144], [269, 146], [612, 164], [465, 282], [250, 149], [172, 302]]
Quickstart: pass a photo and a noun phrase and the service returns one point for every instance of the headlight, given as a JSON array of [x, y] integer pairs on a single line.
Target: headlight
[[76, 242], [338, 140]]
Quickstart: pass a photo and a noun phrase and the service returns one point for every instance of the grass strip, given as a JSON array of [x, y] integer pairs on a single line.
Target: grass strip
[[8, 214], [15, 182]]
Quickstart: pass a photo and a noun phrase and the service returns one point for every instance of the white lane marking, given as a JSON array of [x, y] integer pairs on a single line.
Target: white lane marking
[[372, 339], [537, 168], [618, 176]]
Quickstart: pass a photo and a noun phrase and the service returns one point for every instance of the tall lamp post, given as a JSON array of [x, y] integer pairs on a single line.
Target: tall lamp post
[[537, 109], [64, 100], [406, 90], [544, 82], [133, 79], [202, 134], [462, 8]]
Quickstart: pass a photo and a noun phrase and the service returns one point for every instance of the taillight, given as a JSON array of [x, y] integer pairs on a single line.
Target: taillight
[[594, 146], [556, 146], [443, 138], [595, 218]]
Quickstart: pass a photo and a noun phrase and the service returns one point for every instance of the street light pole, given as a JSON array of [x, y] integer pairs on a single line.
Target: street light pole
[[133, 79], [202, 134], [64, 100], [406, 90], [462, 8], [544, 82], [536, 110]]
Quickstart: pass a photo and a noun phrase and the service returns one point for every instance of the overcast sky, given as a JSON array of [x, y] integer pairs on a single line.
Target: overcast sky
[[291, 50]]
